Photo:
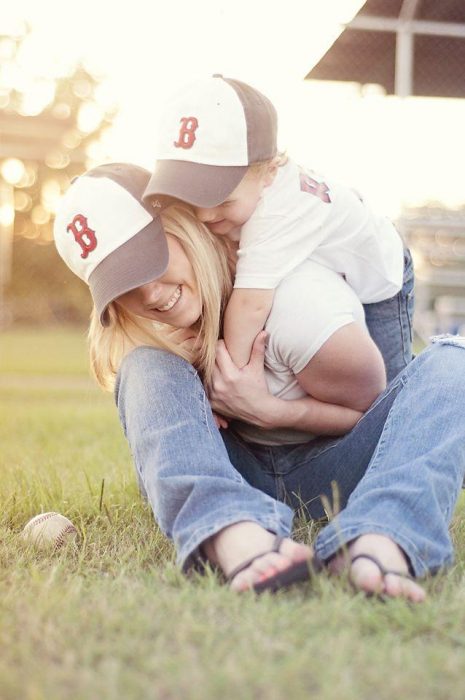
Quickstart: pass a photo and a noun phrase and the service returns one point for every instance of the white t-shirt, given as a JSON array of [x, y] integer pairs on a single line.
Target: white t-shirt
[[298, 327], [302, 215]]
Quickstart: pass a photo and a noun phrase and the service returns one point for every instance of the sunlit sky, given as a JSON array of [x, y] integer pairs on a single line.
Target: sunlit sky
[[397, 152]]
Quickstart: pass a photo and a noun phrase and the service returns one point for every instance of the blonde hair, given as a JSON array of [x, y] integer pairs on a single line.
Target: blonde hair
[[261, 166], [211, 260]]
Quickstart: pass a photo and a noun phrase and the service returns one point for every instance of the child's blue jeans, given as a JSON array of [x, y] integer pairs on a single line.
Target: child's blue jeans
[[390, 323]]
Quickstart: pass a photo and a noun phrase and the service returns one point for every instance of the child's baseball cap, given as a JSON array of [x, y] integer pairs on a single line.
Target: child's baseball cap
[[210, 132], [107, 235]]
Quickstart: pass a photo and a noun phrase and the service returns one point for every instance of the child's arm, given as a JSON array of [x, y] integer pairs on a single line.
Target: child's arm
[[243, 394], [348, 370], [306, 414], [344, 378], [244, 318]]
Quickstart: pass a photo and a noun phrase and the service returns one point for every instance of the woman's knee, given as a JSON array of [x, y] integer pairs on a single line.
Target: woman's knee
[[445, 359], [147, 362], [152, 372], [149, 359]]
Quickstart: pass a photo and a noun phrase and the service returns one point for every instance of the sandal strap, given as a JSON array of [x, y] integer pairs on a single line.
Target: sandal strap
[[245, 565], [384, 571]]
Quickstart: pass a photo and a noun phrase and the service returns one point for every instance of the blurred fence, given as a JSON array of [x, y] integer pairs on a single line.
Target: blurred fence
[[436, 238], [409, 47]]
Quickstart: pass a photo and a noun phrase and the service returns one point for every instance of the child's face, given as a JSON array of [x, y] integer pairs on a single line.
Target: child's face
[[231, 214]]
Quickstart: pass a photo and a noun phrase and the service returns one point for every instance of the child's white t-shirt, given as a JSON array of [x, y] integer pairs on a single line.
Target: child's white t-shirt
[[302, 215]]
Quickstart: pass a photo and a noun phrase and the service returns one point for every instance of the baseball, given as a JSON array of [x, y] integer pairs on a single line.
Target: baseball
[[49, 530]]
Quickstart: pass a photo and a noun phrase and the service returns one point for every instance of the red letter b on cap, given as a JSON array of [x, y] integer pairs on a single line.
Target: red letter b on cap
[[186, 136]]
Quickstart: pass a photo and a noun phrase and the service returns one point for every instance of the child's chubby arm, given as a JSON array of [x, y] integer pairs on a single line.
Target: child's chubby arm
[[348, 370], [243, 393], [244, 318]]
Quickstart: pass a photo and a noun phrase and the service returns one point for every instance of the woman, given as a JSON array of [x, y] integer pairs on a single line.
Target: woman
[[158, 304]]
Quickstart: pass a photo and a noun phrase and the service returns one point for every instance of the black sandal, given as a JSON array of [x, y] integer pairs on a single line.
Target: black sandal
[[383, 570], [296, 573]]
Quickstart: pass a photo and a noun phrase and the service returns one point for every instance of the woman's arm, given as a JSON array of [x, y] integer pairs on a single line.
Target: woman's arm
[[243, 393]]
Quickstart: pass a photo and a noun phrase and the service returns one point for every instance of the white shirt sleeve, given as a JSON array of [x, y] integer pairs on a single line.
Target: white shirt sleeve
[[309, 306]]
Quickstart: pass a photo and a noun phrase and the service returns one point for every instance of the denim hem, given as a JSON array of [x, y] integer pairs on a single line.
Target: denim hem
[[336, 540], [448, 339], [189, 554]]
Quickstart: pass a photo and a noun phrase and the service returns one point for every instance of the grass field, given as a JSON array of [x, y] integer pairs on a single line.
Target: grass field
[[113, 618]]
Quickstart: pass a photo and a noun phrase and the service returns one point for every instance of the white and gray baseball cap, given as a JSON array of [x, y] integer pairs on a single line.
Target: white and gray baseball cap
[[210, 132], [107, 235]]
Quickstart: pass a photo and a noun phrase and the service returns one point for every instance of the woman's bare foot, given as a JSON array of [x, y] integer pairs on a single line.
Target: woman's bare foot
[[367, 576], [239, 542]]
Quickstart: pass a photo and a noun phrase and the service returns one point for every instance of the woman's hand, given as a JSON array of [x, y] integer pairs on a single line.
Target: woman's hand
[[242, 393]]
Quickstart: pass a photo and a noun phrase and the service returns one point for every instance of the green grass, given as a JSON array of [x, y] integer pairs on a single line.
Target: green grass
[[114, 618]]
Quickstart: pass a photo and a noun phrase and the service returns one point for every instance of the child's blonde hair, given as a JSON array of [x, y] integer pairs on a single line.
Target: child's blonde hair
[[261, 166], [211, 262]]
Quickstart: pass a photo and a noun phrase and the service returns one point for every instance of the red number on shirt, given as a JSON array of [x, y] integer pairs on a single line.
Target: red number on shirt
[[319, 189]]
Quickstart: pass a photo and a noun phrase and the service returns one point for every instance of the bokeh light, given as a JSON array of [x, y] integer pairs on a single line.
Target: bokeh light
[[12, 170], [90, 116], [7, 214]]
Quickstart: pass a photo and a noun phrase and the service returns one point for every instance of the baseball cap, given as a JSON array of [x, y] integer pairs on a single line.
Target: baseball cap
[[107, 235], [209, 134]]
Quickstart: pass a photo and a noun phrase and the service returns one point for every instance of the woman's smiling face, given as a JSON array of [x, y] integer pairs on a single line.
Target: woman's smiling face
[[173, 298]]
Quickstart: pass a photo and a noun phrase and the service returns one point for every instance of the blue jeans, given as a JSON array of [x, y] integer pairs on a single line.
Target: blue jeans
[[390, 323], [397, 473]]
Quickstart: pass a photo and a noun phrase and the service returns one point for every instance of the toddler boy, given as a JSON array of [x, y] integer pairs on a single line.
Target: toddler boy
[[217, 151]]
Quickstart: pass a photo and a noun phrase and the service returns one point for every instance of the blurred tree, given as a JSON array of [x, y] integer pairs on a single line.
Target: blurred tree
[[51, 129]]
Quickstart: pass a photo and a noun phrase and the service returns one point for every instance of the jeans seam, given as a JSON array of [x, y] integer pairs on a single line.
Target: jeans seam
[[204, 400], [409, 316]]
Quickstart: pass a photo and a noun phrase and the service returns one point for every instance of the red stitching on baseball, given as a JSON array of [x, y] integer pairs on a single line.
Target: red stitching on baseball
[[40, 519], [61, 539]]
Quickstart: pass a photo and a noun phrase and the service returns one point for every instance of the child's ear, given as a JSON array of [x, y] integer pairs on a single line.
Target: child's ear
[[271, 171]]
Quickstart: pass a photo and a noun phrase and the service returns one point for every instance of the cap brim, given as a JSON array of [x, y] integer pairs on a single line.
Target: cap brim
[[195, 183], [143, 258]]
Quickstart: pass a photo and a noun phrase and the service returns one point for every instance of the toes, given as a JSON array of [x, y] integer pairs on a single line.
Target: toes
[[263, 568], [400, 587], [259, 570], [373, 555], [270, 564], [366, 577]]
